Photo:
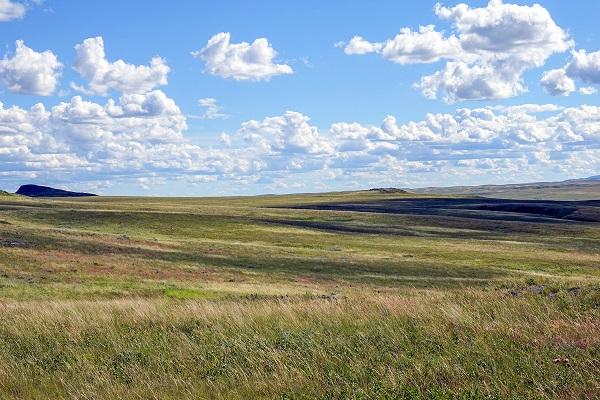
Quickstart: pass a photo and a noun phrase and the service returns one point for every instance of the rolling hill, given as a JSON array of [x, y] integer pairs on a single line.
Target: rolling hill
[[572, 189]]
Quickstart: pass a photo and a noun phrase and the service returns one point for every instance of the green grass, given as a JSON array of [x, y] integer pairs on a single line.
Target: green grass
[[192, 293], [243, 298]]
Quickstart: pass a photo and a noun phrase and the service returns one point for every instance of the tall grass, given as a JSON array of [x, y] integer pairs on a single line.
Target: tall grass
[[418, 344]]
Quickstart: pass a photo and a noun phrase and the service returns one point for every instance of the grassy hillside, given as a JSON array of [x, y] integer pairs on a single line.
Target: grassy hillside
[[577, 189], [248, 298]]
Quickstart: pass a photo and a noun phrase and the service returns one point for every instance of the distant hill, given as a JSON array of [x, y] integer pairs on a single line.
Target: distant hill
[[45, 191], [388, 190], [591, 179], [572, 189]]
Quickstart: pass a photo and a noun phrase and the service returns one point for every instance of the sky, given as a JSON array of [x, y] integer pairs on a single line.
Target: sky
[[194, 98]]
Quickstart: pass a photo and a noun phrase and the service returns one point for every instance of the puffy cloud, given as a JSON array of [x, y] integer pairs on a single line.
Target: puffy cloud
[[408, 47], [30, 72], [425, 46], [512, 142], [213, 110], [583, 66], [487, 54], [527, 32], [358, 45], [91, 63], [240, 61], [289, 133], [556, 82], [10, 10], [138, 134], [141, 138], [462, 81]]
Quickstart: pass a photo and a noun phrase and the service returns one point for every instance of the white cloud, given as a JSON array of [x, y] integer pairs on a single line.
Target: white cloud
[[587, 90], [487, 54], [30, 72], [508, 142], [358, 45], [556, 82], [138, 134], [91, 63], [10, 10], [240, 61], [143, 136], [290, 133], [425, 46], [225, 139], [213, 109], [462, 81], [583, 66], [528, 32], [408, 47]]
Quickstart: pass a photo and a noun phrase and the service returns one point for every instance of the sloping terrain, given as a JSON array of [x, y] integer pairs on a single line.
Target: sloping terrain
[[574, 189]]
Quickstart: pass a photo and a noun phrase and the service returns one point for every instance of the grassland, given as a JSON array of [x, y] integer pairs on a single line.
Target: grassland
[[248, 298], [576, 189]]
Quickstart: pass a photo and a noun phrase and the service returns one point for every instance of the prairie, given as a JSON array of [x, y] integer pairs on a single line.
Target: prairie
[[361, 295]]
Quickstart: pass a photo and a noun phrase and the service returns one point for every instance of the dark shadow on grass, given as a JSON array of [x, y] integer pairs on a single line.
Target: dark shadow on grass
[[289, 267], [532, 211]]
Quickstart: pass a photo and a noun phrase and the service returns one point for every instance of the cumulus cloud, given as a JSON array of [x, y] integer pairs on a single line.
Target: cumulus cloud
[[137, 135], [583, 66], [358, 45], [486, 55], [103, 75], [462, 81], [30, 72], [240, 61], [557, 82], [10, 10], [425, 46], [141, 137], [509, 142], [289, 133], [408, 47], [213, 109]]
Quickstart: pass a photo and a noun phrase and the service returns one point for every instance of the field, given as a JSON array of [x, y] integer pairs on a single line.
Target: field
[[360, 295]]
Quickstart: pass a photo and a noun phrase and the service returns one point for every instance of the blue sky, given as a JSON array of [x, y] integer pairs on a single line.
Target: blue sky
[[333, 95]]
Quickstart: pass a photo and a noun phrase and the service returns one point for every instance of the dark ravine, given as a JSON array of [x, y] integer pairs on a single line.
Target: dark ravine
[[46, 191]]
